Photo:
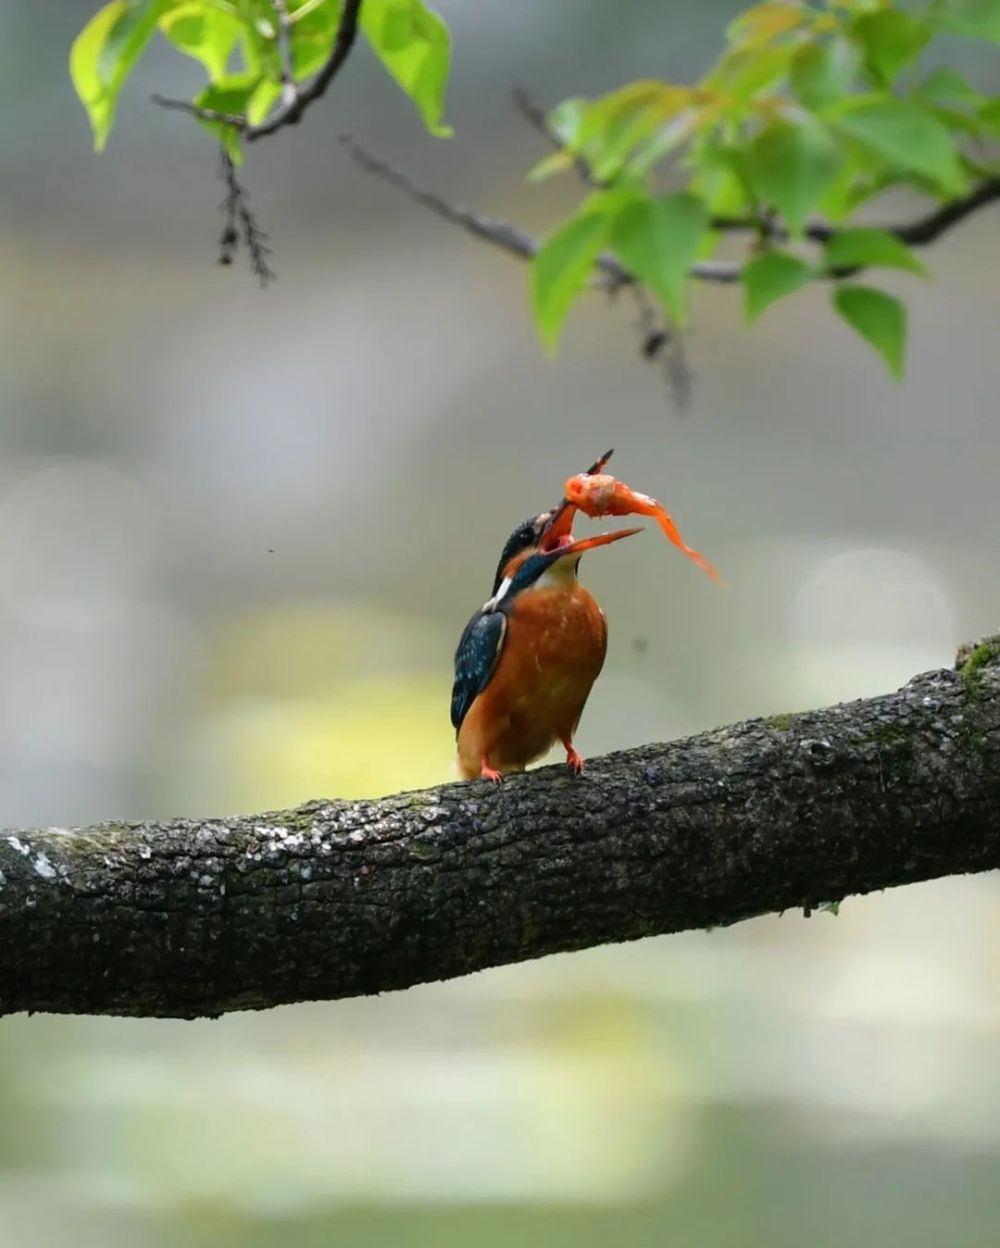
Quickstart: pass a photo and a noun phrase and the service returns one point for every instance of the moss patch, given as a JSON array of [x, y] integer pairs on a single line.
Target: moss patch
[[780, 723], [889, 734], [893, 744], [975, 663], [299, 820]]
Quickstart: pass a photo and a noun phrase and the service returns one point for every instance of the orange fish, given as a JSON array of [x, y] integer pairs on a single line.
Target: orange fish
[[596, 493]]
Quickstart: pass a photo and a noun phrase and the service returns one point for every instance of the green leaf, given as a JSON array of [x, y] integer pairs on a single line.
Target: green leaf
[[262, 99], [563, 263], [565, 119], [947, 86], [769, 277], [976, 19], [563, 123], [955, 119], [555, 162], [989, 116], [709, 244], [865, 247], [414, 45], [905, 134], [719, 180], [314, 27], [691, 124], [859, 6], [890, 40], [230, 95], [611, 128], [879, 318], [790, 165], [658, 239], [104, 53], [207, 34], [764, 22], [746, 71], [821, 73]]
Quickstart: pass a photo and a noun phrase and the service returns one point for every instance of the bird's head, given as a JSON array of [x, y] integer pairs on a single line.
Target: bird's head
[[549, 533], [544, 546]]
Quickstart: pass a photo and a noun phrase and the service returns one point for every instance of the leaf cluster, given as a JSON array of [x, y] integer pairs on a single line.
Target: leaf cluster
[[254, 52], [810, 113]]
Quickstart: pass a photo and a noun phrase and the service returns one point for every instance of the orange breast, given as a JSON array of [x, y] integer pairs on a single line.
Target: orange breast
[[556, 640]]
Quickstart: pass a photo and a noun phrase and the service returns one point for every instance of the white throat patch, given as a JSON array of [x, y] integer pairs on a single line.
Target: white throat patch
[[491, 604], [556, 576]]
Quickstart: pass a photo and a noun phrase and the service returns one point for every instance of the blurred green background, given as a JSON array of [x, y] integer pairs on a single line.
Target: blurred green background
[[239, 535]]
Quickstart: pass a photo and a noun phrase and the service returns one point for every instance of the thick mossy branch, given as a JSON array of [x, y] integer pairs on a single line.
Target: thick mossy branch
[[336, 898]]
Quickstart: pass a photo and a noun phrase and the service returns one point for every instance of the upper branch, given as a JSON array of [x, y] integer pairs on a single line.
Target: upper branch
[[613, 274], [290, 113], [502, 234], [929, 228], [335, 899], [491, 229], [918, 233], [297, 97]]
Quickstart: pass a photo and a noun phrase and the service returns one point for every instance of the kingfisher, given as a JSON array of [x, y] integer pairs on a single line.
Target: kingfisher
[[527, 659]]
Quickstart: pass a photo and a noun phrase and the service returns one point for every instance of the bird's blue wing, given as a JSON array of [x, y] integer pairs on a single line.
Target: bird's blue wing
[[476, 657]]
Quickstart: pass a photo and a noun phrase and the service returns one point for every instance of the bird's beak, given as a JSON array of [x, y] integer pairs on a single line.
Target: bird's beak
[[559, 527], [560, 524], [566, 545]]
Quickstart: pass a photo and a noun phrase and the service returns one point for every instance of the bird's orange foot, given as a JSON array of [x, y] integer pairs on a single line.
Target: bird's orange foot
[[487, 772], [574, 760]]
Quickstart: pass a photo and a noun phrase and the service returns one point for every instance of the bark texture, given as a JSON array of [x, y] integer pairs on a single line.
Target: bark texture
[[336, 898]]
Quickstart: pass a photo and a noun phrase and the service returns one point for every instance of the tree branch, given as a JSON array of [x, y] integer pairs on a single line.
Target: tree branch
[[491, 229], [929, 229], [919, 233], [338, 898], [297, 97], [503, 234], [613, 274]]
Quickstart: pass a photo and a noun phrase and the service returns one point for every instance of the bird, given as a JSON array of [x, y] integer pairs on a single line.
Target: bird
[[527, 659]]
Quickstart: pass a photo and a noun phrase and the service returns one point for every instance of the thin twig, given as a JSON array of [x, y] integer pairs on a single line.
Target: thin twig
[[236, 120], [285, 47], [662, 342], [537, 118], [491, 229], [229, 239], [290, 111], [241, 224], [654, 335], [503, 234]]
